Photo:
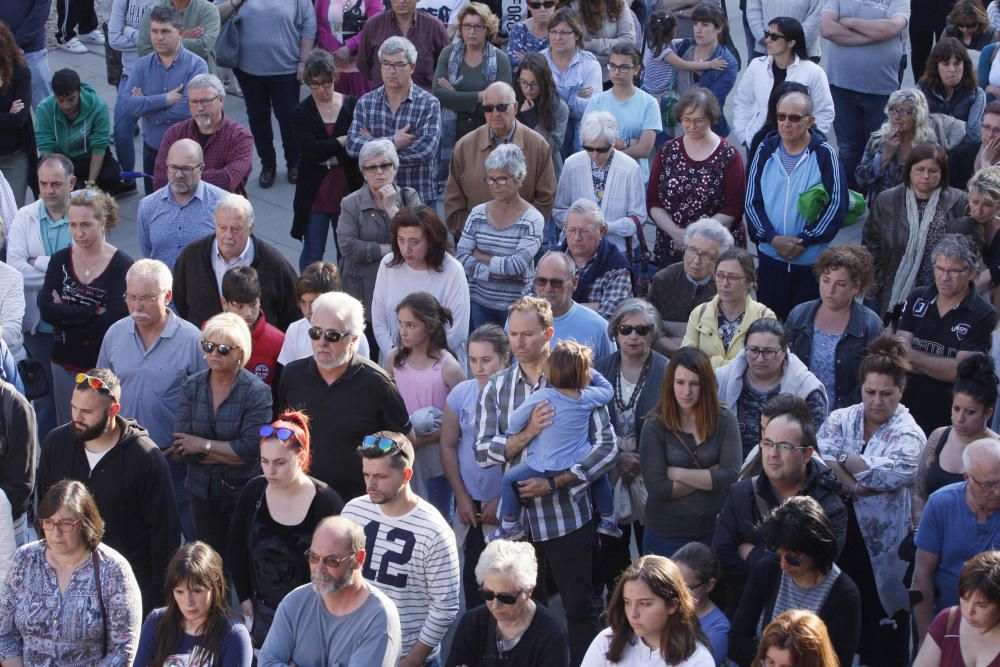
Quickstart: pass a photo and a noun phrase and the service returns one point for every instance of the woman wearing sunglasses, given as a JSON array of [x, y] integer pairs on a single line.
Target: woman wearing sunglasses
[[802, 575], [532, 34], [84, 292], [510, 628], [274, 520], [217, 428]]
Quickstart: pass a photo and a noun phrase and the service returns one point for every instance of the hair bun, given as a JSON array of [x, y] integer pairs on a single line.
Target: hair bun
[[887, 346], [978, 367]]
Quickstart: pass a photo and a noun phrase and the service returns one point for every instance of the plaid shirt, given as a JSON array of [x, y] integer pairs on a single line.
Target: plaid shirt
[[228, 155], [568, 508], [422, 112]]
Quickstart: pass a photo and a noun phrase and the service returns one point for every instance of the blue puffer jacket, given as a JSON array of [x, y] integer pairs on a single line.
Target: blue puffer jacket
[[772, 195]]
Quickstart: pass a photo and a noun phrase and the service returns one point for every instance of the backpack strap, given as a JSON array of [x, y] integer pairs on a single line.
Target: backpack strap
[[762, 507]]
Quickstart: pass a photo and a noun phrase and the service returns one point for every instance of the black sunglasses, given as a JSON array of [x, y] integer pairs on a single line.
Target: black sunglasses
[[557, 283], [641, 329], [502, 108], [332, 335], [595, 149], [549, 4], [773, 36], [505, 598], [210, 347], [794, 561]]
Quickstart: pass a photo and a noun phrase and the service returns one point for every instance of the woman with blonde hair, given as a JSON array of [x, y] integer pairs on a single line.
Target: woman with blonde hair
[[651, 611], [797, 638], [983, 223]]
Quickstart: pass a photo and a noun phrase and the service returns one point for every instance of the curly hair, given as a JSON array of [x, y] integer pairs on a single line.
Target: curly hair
[[10, 57], [855, 259]]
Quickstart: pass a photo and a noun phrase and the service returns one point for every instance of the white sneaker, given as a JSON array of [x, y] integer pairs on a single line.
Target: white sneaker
[[96, 37], [73, 45]]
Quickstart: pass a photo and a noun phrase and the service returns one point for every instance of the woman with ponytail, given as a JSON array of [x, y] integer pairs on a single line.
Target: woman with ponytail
[[873, 448], [274, 520], [195, 627]]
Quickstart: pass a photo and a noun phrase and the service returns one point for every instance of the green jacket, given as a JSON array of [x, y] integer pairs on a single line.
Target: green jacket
[[198, 13], [88, 134]]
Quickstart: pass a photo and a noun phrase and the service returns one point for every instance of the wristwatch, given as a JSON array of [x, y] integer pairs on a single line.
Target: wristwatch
[[552, 485], [208, 445]]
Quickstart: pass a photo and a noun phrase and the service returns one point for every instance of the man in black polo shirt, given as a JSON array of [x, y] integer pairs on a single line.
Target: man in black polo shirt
[[345, 395], [941, 325]]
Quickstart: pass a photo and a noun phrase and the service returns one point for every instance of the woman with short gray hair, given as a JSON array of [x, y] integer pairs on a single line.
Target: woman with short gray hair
[[500, 240], [510, 628], [605, 175]]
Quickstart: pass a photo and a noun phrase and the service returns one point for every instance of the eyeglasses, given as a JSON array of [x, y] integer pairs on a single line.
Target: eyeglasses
[[496, 180], [580, 231], [694, 253], [330, 561], [202, 102], [556, 283], [395, 67], [381, 443], [694, 587], [316, 85], [783, 447], [502, 108], [765, 353], [988, 487], [968, 26], [951, 273], [187, 171], [280, 432], [331, 335], [561, 33], [144, 299], [773, 36], [595, 149], [686, 120], [549, 4], [620, 69], [794, 118], [641, 329], [95, 383], [902, 113], [728, 278], [529, 85], [474, 27], [62, 525], [505, 598], [794, 561], [381, 166], [223, 350]]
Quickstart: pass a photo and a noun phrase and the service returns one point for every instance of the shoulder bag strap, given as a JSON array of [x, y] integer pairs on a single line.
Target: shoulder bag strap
[[100, 599], [762, 506]]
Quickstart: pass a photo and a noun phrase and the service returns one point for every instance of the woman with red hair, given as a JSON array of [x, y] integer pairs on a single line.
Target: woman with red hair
[[797, 638], [274, 519]]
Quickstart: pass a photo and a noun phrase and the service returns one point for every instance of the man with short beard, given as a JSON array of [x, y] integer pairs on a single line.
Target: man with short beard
[[126, 473], [152, 351], [228, 146], [338, 618], [181, 211]]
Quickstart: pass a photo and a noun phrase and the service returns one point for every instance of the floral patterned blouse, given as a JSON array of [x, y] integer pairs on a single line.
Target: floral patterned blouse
[[49, 628], [892, 456], [520, 40], [690, 190]]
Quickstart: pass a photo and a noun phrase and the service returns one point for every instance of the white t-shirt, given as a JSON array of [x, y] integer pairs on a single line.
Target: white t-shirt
[[639, 655], [298, 345]]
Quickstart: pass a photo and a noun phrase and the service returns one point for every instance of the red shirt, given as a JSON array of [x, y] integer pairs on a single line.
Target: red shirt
[[228, 154], [267, 341]]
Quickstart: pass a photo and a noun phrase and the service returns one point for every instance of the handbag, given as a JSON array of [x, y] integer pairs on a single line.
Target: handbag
[[227, 45], [640, 262], [36, 383]]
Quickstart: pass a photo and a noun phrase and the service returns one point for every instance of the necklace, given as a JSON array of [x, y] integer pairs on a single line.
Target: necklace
[[619, 402], [85, 269]]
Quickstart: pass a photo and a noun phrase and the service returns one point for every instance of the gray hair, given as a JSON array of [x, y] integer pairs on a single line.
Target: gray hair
[[167, 14], [513, 559], [587, 208], [232, 327], [568, 262], [923, 129], [599, 125], [804, 97], [504, 88], [957, 247], [208, 81], [151, 269], [345, 308], [398, 45], [984, 450], [711, 229], [377, 148], [630, 307], [508, 158], [237, 204]]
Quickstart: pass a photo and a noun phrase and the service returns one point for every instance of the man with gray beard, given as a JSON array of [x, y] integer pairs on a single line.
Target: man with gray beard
[[338, 618], [345, 395]]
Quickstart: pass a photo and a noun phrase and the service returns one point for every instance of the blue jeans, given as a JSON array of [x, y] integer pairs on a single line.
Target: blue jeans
[[668, 546], [510, 501], [858, 115], [314, 240], [480, 315], [440, 496], [41, 76], [39, 348], [125, 129]]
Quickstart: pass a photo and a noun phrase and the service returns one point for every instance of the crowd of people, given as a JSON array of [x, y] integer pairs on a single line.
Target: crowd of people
[[738, 443]]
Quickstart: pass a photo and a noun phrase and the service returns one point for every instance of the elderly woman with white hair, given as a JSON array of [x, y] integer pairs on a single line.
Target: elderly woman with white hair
[[603, 174], [500, 239], [683, 286], [365, 214], [510, 628], [217, 427]]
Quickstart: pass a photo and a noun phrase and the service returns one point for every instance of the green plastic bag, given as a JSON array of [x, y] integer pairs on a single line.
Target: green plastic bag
[[812, 202]]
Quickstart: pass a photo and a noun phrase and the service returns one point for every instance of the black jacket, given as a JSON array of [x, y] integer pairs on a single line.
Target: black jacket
[[543, 643], [841, 612], [738, 520], [18, 448], [134, 493]]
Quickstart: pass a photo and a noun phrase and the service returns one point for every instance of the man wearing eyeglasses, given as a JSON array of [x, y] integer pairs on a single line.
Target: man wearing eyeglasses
[[959, 521], [180, 212], [338, 618], [787, 450], [786, 165], [126, 472], [227, 145]]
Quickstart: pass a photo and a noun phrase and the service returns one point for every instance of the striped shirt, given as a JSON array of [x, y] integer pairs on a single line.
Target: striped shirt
[[512, 249], [414, 561], [791, 596], [569, 508]]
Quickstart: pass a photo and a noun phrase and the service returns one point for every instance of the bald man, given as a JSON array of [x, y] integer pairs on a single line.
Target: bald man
[[338, 618], [180, 212], [466, 188]]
